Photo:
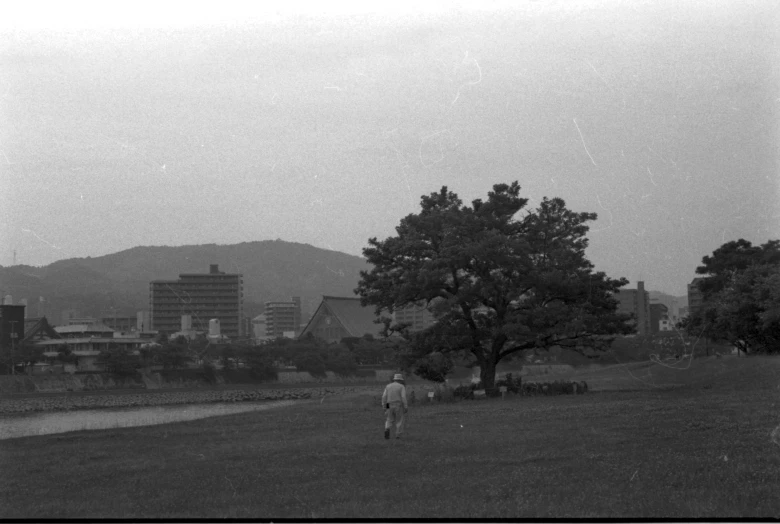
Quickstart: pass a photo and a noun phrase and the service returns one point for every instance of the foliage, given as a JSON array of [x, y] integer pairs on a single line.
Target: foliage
[[340, 361], [315, 356], [228, 357], [498, 285], [119, 361], [741, 297], [260, 364], [515, 385], [310, 362], [368, 350], [27, 354], [175, 354], [434, 367], [209, 372], [65, 355]]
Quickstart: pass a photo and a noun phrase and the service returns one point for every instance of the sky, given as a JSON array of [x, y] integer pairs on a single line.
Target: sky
[[172, 123]]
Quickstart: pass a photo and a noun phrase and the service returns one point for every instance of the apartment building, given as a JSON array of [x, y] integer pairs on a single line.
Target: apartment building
[[204, 296], [283, 317]]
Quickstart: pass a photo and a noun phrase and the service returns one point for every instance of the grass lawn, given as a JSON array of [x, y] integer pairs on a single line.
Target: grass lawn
[[697, 450]]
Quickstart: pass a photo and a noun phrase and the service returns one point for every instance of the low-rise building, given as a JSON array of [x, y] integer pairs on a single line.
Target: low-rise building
[[85, 341]]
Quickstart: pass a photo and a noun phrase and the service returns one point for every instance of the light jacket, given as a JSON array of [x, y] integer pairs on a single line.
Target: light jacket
[[394, 392]]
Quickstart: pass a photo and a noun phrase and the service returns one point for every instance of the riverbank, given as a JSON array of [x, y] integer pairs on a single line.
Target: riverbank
[[48, 423], [60, 402]]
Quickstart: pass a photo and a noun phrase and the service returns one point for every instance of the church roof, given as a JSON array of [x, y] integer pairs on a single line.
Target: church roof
[[358, 320], [40, 328]]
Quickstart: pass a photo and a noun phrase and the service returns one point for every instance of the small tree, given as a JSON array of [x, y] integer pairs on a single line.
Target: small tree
[[434, 367], [175, 355], [65, 355]]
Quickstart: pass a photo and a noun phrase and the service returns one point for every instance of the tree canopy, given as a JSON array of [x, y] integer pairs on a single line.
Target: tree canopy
[[741, 296], [497, 283]]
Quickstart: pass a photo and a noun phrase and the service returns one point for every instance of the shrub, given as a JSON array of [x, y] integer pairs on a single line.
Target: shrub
[[312, 363], [515, 385], [342, 363], [464, 392], [209, 373], [261, 366]]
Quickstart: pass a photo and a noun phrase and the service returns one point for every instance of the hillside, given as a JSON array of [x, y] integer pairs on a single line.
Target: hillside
[[273, 270]]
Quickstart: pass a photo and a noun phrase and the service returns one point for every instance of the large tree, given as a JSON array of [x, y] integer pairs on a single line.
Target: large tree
[[732, 258], [741, 299], [499, 284]]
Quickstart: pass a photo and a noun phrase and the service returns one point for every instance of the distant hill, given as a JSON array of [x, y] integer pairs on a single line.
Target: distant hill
[[272, 269]]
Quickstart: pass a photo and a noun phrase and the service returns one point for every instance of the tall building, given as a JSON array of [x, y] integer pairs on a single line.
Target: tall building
[[695, 296], [203, 296], [636, 301], [283, 317]]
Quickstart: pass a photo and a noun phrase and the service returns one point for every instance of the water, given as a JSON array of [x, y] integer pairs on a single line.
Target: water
[[63, 422]]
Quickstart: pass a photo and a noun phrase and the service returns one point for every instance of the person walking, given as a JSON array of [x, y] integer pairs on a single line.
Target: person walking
[[395, 405]]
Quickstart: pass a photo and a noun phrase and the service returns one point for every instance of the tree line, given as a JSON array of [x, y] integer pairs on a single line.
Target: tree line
[[306, 354]]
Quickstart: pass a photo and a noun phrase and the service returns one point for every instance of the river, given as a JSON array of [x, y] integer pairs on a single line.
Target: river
[[16, 426]]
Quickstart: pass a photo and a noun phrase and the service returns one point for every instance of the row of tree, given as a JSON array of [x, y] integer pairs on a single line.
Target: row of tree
[[741, 297], [308, 354]]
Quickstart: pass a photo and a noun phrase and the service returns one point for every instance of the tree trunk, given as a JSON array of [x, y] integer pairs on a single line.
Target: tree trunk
[[487, 374]]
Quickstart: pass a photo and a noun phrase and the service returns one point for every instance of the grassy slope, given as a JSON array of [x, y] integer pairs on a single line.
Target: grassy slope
[[699, 450]]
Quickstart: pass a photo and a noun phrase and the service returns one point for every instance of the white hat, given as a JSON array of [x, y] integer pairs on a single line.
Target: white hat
[[398, 376]]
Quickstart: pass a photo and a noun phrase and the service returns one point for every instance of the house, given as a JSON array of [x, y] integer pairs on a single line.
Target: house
[[341, 317]]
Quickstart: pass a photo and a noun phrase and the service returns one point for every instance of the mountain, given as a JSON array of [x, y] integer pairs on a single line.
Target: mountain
[[272, 269]]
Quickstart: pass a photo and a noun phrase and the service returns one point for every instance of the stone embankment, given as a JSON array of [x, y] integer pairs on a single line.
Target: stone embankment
[[66, 403]]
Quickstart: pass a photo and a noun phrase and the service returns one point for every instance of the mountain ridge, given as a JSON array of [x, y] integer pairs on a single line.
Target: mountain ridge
[[96, 286]]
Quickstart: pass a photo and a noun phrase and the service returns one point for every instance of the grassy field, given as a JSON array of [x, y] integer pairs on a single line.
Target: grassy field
[[694, 444]]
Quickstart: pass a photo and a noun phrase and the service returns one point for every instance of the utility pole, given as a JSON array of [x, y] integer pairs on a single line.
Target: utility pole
[[13, 344]]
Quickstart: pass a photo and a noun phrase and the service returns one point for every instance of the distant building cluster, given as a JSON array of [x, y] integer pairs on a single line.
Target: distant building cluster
[[209, 305]]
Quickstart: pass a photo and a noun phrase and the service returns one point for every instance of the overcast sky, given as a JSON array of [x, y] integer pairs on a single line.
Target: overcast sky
[[171, 124]]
